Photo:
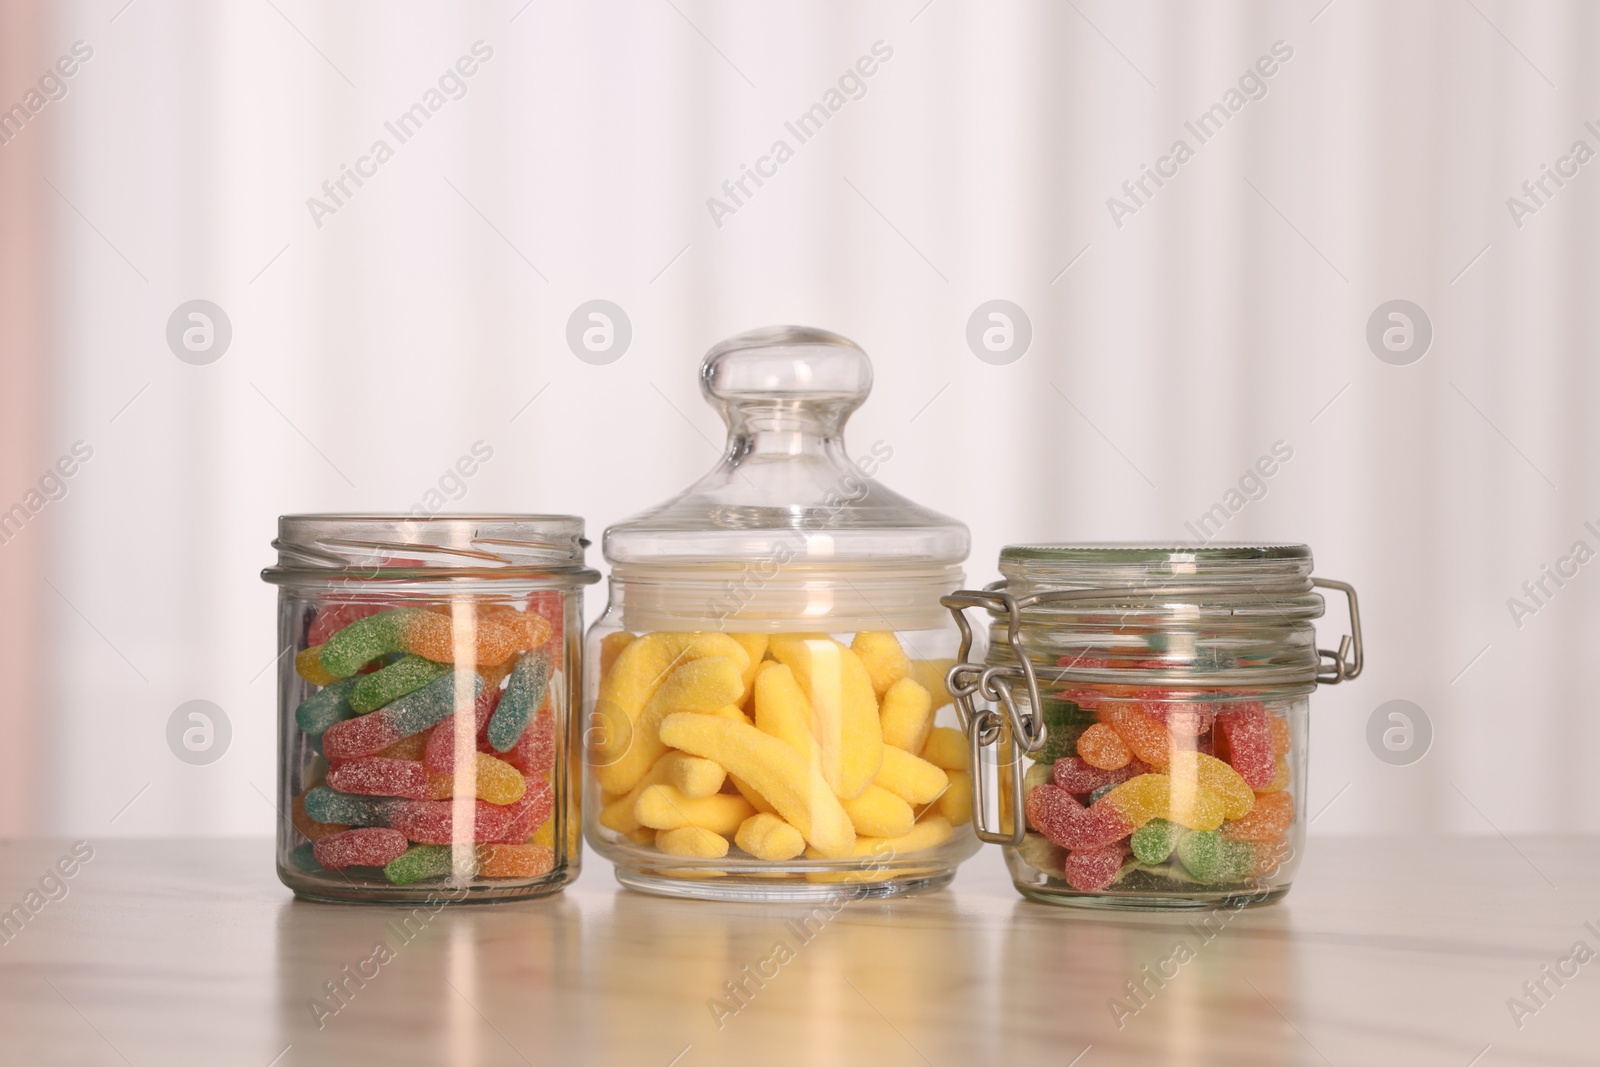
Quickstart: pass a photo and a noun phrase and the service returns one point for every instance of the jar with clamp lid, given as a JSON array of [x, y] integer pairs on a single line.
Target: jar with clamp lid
[[1140, 718], [767, 712]]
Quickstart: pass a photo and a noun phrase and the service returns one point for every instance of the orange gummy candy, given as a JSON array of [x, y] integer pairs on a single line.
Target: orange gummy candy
[[430, 634], [514, 861], [1280, 736], [309, 827], [1099, 746], [1268, 820], [1147, 738]]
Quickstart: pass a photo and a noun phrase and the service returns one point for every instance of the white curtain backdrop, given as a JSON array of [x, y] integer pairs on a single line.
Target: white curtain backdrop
[[1172, 344]]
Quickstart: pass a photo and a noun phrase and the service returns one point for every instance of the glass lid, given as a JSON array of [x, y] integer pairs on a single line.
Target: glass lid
[[787, 505]]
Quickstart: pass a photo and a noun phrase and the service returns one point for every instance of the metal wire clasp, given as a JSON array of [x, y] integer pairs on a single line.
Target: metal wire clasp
[[1011, 727], [1346, 663]]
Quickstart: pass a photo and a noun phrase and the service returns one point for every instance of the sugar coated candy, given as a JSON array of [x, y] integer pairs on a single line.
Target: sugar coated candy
[[325, 707], [1056, 814], [1213, 859], [524, 693], [1247, 729], [364, 640], [1268, 820], [370, 734], [377, 776], [325, 805], [419, 863], [405, 675], [514, 861], [1153, 842], [368, 847], [1100, 747], [1094, 870], [1076, 776]]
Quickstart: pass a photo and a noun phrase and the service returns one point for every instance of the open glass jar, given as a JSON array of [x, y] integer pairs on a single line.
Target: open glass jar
[[426, 743], [769, 719], [1148, 712]]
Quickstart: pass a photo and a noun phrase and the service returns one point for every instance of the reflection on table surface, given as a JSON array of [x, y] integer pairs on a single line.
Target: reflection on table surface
[[1387, 951]]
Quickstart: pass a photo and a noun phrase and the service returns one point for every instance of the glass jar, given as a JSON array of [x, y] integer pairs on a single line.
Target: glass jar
[[768, 716], [426, 744], [1148, 718]]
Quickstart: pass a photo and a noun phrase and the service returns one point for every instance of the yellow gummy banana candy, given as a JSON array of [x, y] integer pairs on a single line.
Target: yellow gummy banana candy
[[755, 646], [1156, 796], [611, 646], [879, 813], [640, 668], [692, 841], [844, 709], [955, 803], [767, 837], [947, 747], [930, 673], [690, 775], [702, 685], [756, 800], [662, 807], [796, 790], [885, 660], [783, 711], [931, 832], [906, 715], [1189, 766], [913, 780]]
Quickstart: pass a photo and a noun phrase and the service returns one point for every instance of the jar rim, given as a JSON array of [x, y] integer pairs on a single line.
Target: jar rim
[[405, 547], [1153, 552]]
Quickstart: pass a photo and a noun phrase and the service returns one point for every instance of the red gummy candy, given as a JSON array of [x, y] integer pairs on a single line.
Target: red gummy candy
[[535, 751], [364, 735], [1183, 718], [378, 776], [526, 815], [431, 822], [1092, 870], [1248, 730], [440, 756], [1053, 812], [1076, 776], [547, 604], [334, 617], [372, 846]]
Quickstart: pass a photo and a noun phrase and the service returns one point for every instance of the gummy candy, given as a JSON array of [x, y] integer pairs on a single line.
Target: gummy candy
[[1100, 747], [1149, 796], [767, 837], [494, 780], [914, 780], [1212, 858], [1280, 736], [794, 788], [440, 754], [308, 665], [880, 653], [369, 847], [880, 813], [376, 776], [700, 685], [930, 674], [784, 711], [1269, 820], [1215, 775], [411, 714], [418, 863], [1153, 842], [405, 675], [527, 815], [690, 775], [309, 827], [1248, 731], [534, 754], [325, 707], [333, 617], [906, 714], [955, 803], [1184, 719], [1056, 814], [948, 748], [364, 640], [662, 807], [1147, 738], [324, 805], [694, 841], [1076, 776], [409, 748], [1094, 870], [515, 861], [844, 708], [524, 694], [496, 636]]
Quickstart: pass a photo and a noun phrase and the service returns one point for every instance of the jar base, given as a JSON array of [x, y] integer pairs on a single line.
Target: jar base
[[1233, 899], [743, 890], [435, 894]]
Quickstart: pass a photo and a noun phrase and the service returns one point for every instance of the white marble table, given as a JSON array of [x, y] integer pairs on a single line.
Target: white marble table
[[1386, 952]]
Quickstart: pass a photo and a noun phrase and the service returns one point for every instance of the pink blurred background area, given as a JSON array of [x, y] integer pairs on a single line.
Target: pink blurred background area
[[1181, 329]]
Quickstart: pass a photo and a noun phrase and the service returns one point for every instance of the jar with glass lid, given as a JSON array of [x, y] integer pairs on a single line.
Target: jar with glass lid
[[768, 718], [1140, 718], [427, 687]]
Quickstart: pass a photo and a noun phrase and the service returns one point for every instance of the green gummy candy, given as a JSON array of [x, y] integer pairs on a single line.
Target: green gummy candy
[[365, 640], [1212, 858], [405, 675], [1154, 841], [325, 707], [428, 706], [524, 693], [303, 858], [346, 809], [419, 862]]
